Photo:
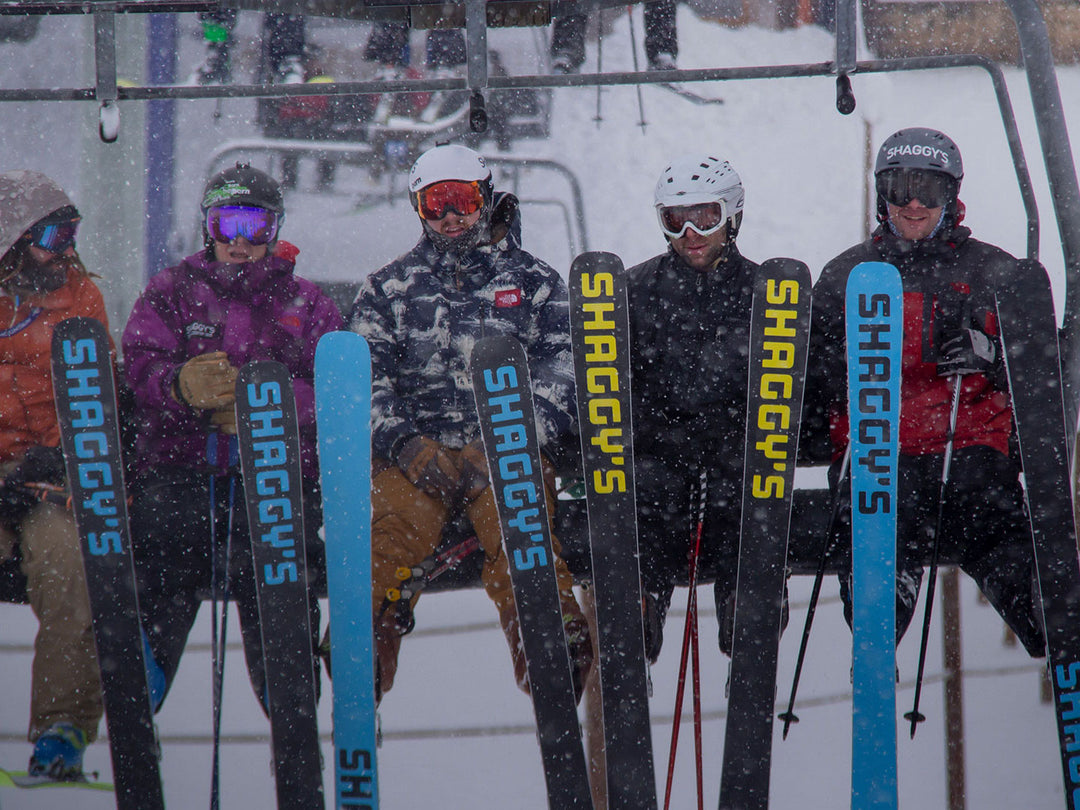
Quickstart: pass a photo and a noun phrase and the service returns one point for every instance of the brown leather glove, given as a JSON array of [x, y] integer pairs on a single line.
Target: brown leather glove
[[224, 419], [473, 469], [207, 381], [430, 469]]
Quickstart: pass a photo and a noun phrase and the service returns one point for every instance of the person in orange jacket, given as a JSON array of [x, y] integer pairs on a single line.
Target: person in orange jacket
[[43, 282]]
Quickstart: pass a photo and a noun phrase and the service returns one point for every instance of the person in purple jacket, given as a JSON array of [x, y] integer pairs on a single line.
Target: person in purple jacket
[[189, 333]]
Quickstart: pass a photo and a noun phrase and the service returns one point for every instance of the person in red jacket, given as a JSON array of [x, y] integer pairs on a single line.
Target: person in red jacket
[[950, 349], [42, 282]]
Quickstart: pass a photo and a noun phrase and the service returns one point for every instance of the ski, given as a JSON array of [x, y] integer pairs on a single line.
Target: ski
[[695, 98], [503, 392], [21, 779], [343, 411], [779, 332], [874, 315], [270, 463], [1028, 326], [85, 389], [600, 336]]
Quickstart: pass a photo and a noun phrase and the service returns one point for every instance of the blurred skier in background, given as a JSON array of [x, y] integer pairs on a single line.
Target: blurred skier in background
[[283, 43], [661, 38]]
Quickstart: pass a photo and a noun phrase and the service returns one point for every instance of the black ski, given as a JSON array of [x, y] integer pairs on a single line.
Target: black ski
[[1029, 334], [270, 461], [85, 390], [600, 334], [779, 329], [503, 391]]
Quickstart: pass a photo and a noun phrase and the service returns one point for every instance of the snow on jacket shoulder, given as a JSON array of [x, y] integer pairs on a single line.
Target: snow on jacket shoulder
[[423, 313], [256, 311], [27, 409]]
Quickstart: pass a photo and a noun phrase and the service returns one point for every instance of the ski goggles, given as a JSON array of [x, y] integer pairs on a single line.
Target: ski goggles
[[705, 218], [55, 237], [227, 223], [901, 186], [438, 199]]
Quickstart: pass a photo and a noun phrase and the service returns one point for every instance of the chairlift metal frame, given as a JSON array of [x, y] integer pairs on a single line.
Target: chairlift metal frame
[[477, 14]]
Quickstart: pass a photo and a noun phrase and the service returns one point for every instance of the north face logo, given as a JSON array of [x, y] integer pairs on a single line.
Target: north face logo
[[508, 298]]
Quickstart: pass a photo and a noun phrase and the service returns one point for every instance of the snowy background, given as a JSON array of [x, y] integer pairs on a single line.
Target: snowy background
[[457, 733]]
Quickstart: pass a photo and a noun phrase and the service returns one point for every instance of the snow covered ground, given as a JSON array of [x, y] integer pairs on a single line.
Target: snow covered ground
[[457, 733]]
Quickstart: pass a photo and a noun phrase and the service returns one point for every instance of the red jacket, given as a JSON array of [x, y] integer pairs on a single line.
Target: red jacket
[[949, 282], [27, 410]]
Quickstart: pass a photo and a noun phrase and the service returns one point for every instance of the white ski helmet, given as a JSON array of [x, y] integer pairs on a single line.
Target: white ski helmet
[[449, 161], [697, 179]]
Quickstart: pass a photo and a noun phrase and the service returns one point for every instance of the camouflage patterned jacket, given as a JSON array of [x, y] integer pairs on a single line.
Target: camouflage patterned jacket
[[423, 313]]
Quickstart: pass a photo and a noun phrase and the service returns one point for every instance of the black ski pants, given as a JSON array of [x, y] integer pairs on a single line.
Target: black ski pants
[[668, 507], [661, 35], [178, 552], [984, 530]]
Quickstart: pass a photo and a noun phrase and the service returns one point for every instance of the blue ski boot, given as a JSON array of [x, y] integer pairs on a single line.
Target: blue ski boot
[[58, 754]]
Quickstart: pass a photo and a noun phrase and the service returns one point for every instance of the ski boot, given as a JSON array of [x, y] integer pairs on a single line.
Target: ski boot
[[58, 754]]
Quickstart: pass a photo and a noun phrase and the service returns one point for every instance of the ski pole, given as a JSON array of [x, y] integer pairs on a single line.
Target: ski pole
[[695, 669], [789, 716], [914, 715], [691, 603], [218, 644], [633, 52]]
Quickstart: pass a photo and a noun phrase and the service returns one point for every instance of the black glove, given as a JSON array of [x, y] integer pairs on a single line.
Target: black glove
[[40, 465], [969, 351]]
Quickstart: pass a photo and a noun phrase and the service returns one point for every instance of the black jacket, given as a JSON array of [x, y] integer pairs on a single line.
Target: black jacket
[[688, 334]]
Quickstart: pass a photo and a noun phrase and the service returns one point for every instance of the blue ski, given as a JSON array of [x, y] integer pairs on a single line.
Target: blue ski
[[874, 316], [343, 411]]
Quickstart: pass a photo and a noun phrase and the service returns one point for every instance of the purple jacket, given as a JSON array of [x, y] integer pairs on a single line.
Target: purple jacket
[[259, 311]]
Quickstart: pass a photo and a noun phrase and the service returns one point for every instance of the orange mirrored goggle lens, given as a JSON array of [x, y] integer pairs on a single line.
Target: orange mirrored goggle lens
[[438, 199]]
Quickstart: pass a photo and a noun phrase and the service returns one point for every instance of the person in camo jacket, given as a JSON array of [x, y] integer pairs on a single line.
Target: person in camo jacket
[[422, 314]]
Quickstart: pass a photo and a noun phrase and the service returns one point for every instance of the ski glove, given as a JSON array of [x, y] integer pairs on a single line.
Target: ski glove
[[224, 419], [430, 469], [968, 351], [473, 468], [206, 381]]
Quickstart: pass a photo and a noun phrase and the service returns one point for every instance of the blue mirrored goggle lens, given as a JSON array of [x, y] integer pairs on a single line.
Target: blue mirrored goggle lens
[[55, 237], [229, 222]]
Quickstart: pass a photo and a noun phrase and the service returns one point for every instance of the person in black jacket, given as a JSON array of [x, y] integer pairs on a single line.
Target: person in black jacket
[[951, 350], [689, 326]]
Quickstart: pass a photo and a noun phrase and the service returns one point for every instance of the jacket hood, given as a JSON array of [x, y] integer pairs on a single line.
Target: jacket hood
[[25, 197]]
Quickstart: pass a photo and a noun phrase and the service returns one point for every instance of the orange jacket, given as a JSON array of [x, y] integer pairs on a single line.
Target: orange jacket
[[27, 410]]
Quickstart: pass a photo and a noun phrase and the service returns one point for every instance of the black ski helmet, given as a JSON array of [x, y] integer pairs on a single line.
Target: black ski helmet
[[241, 185], [920, 148]]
